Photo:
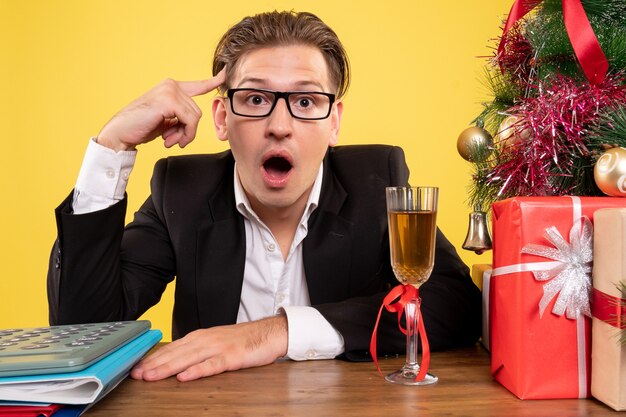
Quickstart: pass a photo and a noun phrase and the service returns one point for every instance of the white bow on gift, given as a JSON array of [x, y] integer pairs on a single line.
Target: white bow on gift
[[571, 278]]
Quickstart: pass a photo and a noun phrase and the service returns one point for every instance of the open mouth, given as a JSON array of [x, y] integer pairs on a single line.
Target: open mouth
[[277, 166], [277, 169]]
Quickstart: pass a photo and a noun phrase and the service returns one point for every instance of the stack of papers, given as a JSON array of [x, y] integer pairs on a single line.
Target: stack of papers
[[81, 389]]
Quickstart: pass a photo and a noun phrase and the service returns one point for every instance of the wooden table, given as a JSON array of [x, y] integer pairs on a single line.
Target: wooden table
[[339, 389]]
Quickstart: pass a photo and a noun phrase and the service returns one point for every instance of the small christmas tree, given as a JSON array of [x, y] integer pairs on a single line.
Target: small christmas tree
[[558, 81]]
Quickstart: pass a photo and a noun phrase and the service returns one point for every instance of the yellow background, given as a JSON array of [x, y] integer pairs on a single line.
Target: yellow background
[[68, 66]]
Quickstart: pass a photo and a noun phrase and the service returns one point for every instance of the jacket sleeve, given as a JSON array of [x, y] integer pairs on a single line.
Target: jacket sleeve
[[451, 303], [100, 272], [451, 308]]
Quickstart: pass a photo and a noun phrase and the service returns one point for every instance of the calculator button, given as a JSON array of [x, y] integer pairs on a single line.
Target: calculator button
[[40, 330], [57, 336], [77, 343], [49, 341], [65, 333], [88, 339], [4, 344], [35, 346]]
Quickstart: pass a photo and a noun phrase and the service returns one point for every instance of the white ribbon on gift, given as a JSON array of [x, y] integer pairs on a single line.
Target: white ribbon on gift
[[570, 281], [570, 271]]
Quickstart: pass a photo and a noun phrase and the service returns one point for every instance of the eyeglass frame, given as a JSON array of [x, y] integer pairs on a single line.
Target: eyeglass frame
[[277, 96]]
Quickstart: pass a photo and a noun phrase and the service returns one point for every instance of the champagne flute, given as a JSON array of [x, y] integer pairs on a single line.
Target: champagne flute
[[412, 216]]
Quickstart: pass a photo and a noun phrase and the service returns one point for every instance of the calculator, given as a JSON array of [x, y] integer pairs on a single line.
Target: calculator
[[64, 348]]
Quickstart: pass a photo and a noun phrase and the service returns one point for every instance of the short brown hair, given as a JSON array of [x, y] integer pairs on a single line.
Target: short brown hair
[[283, 28]]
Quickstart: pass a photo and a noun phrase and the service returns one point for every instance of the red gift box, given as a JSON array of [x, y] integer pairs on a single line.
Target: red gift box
[[540, 355]]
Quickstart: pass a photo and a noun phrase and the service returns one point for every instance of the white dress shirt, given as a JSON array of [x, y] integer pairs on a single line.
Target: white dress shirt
[[271, 285]]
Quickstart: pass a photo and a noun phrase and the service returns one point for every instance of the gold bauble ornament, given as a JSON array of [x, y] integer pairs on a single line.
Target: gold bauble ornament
[[474, 144], [610, 172], [511, 132]]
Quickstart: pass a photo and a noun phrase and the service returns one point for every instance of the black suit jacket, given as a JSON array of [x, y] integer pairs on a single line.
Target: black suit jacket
[[189, 228]]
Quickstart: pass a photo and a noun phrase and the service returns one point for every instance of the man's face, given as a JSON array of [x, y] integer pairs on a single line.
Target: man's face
[[278, 156]]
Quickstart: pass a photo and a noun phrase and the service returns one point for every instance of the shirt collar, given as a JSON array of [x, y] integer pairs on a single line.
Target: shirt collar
[[243, 204]]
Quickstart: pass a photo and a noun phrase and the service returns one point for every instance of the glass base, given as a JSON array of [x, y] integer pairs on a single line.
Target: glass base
[[406, 376]]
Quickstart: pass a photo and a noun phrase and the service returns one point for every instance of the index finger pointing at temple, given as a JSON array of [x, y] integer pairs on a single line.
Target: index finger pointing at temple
[[196, 88]]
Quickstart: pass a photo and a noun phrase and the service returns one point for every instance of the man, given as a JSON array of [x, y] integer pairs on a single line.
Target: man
[[279, 246]]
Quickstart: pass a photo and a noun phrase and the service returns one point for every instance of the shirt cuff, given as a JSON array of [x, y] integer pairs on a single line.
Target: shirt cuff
[[103, 178], [311, 336]]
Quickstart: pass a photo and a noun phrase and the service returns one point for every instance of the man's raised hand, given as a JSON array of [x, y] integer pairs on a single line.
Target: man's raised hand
[[166, 110]]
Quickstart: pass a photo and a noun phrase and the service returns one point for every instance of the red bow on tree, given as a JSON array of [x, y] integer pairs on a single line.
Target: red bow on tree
[[581, 35]]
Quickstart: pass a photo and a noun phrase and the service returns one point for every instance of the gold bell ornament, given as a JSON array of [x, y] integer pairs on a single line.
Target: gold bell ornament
[[478, 238]]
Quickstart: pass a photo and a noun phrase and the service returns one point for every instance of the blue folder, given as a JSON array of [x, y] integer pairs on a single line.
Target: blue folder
[[82, 387]]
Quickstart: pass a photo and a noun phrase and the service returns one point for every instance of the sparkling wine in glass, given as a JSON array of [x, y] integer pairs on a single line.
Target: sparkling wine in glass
[[412, 216]]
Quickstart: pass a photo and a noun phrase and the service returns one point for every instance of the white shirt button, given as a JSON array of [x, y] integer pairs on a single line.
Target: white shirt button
[[125, 176], [281, 297], [110, 173], [271, 247], [311, 354]]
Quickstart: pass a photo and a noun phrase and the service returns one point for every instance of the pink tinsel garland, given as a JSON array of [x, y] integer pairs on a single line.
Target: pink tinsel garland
[[558, 116]]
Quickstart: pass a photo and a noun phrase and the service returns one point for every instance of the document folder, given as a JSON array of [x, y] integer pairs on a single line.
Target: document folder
[[82, 387]]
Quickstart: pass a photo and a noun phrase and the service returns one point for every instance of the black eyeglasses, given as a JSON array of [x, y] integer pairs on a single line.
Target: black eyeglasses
[[305, 105]]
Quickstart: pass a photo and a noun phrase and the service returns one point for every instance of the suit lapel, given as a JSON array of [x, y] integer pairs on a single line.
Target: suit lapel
[[328, 244], [221, 252]]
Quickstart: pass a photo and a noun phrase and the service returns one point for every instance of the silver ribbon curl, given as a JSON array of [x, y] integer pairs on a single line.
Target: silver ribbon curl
[[571, 279]]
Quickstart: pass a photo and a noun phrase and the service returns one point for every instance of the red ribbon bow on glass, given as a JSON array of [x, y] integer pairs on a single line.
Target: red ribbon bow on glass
[[581, 35], [404, 294]]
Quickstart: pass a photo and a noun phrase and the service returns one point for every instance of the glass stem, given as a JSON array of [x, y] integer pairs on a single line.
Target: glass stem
[[411, 312]]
